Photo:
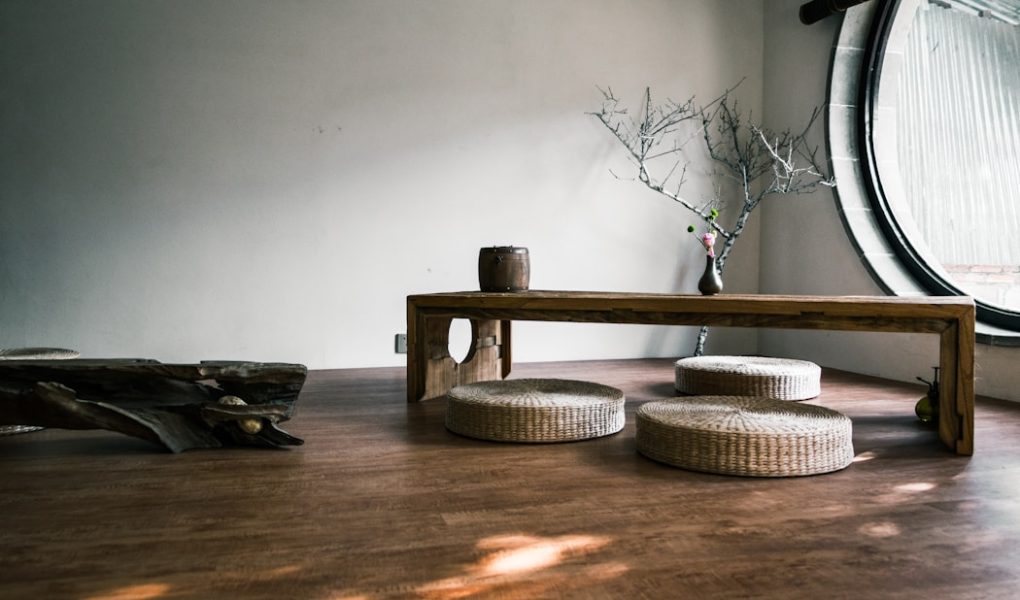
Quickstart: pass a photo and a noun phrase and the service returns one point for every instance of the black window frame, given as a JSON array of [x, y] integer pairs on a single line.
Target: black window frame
[[903, 247]]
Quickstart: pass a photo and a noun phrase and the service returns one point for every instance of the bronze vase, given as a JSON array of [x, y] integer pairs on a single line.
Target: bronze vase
[[710, 282]]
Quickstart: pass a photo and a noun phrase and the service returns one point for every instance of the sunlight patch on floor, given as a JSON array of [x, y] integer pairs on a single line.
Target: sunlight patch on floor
[[906, 492], [133, 592], [865, 456], [883, 529], [281, 571], [520, 554], [515, 560], [515, 565]]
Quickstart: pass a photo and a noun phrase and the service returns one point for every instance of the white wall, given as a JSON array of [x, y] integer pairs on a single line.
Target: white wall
[[804, 248], [266, 180]]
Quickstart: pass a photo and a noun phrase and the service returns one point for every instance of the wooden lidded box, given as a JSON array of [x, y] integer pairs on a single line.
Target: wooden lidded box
[[503, 269]]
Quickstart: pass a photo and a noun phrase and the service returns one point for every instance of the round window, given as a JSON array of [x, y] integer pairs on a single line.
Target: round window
[[939, 126]]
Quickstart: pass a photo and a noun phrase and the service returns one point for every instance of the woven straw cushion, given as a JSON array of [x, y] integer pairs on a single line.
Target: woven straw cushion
[[13, 429], [534, 410], [744, 435], [31, 354], [37, 354], [780, 378]]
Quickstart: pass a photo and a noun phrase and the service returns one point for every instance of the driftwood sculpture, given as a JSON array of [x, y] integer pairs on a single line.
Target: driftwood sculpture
[[178, 406]]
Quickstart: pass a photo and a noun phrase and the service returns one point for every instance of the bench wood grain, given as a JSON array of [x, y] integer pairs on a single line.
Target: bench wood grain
[[431, 371]]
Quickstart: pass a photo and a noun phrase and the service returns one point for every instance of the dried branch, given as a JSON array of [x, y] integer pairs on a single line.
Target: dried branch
[[762, 163]]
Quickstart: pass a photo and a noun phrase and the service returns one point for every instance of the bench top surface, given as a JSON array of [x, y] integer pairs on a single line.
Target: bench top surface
[[538, 300]]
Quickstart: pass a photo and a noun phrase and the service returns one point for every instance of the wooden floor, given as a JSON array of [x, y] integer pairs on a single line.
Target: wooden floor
[[383, 502]]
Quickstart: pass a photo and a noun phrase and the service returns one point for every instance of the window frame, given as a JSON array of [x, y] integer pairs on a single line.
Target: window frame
[[912, 257]]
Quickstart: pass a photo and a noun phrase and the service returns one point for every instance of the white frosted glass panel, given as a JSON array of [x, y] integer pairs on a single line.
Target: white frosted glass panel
[[958, 130]]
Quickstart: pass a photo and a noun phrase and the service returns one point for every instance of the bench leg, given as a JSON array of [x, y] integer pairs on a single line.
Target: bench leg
[[431, 371], [956, 389]]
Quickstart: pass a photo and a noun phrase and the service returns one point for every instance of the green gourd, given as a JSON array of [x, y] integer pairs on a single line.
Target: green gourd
[[927, 408]]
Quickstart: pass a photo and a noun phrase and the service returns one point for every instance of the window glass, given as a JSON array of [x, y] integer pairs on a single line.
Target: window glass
[[949, 144]]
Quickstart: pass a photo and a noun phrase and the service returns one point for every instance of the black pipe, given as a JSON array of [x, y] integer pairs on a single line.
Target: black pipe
[[816, 10]]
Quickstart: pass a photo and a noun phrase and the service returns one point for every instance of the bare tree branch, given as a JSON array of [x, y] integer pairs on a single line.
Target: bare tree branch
[[761, 162]]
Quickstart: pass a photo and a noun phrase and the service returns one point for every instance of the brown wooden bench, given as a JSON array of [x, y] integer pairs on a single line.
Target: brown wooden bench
[[431, 371]]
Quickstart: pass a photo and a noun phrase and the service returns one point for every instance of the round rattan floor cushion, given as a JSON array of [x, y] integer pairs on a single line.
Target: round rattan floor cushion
[[744, 435], [780, 378], [37, 354], [31, 354], [534, 410]]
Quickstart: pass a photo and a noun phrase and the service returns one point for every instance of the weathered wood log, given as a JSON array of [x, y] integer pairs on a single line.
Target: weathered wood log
[[178, 406]]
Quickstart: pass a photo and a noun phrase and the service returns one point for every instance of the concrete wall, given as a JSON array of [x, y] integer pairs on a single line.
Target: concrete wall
[[267, 180], [804, 248]]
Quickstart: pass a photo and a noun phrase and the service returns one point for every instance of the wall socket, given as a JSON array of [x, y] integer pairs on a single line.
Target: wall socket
[[400, 343]]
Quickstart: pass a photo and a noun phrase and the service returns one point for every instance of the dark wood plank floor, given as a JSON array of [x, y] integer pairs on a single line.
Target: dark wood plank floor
[[383, 502]]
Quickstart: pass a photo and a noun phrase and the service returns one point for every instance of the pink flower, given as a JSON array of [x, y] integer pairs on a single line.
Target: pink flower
[[708, 241]]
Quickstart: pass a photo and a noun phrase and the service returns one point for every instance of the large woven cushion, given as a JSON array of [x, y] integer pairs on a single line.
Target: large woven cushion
[[37, 354], [32, 354], [744, 435], [534, 410], [780, 378]]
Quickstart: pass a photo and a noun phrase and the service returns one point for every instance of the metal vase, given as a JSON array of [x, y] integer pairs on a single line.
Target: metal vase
[[710, 282]]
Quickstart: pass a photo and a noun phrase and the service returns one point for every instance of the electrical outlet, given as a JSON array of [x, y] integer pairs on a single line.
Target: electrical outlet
[[400, 343]]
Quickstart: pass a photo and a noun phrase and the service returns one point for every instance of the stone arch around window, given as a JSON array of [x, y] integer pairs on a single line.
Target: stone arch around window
[[854, 108]]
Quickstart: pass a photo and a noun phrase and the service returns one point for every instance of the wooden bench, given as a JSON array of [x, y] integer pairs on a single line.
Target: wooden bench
[[431, 371]]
